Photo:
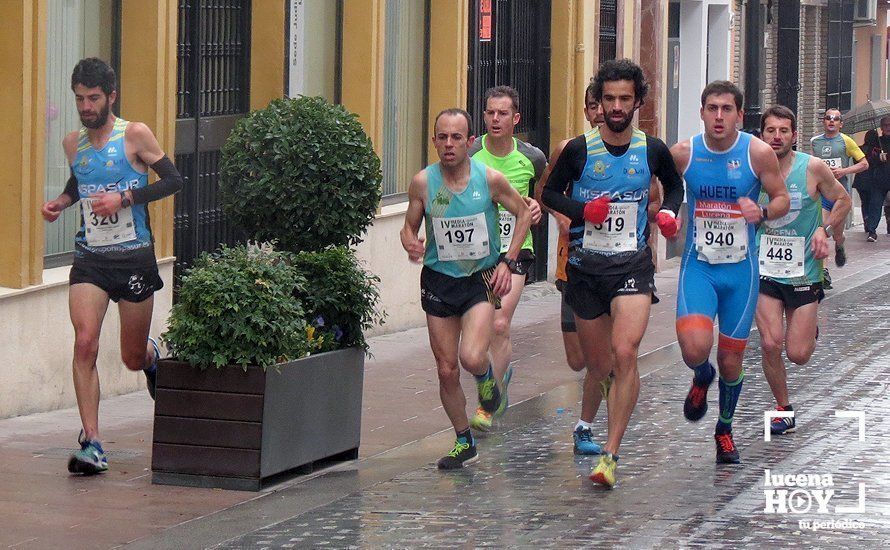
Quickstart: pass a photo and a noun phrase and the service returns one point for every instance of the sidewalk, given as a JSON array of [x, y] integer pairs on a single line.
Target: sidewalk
[[43, 506]]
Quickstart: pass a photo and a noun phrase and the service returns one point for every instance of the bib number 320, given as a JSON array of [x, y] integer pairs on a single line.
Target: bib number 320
[[107, 230]]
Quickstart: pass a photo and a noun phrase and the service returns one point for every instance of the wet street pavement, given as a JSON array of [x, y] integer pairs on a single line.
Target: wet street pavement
[[529, 490]]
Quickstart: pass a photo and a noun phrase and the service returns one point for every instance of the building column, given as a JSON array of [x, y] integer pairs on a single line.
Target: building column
[[653, 33], [148, 89], [362, 65], [23, 62]]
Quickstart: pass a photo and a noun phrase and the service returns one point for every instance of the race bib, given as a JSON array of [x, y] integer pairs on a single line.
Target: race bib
[[721, 233], [107, 230], [834, 163], [507, 224], [618, 233], [461, 238], [781, 257]]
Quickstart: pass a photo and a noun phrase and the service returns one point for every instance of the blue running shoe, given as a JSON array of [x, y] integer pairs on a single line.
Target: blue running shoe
[[584, 443], [781, 426], [90, 459], [151, 373]]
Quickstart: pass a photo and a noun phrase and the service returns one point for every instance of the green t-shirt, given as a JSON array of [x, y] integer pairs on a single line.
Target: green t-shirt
[[521, 167]]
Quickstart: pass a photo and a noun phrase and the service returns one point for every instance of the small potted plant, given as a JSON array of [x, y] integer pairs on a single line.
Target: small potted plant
[[268, 339]]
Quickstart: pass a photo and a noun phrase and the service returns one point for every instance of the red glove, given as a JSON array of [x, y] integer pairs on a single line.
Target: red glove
[[597, 210], [667, 223]]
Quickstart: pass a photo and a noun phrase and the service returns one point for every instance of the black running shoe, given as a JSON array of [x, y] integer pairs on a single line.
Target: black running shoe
[[840, 256], [460, 455], [726, 451], [696, 404], [826, 279], [872, 237]]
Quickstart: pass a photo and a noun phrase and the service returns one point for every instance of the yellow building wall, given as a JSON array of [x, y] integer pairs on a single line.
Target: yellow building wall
[[268, 51], [362, 65], [22, 59]]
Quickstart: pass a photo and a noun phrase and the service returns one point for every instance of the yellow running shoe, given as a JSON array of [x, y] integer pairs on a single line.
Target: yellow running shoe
[[604, 473], [481, 421]]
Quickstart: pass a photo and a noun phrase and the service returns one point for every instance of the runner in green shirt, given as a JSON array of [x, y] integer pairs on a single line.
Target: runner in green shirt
[[790, 254], [522, 164]]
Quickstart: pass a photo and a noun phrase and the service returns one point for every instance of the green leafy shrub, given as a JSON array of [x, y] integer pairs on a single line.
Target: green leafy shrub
[[239, 306], [339, 297], [301, 172]]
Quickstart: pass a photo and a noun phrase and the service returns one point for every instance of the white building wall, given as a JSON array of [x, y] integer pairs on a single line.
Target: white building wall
[[37, 340], [704, 56]]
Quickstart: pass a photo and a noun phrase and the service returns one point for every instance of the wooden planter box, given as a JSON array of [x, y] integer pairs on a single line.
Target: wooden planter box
[[234, 430]]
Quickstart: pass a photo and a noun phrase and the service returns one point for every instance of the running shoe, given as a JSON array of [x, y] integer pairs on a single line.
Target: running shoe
[[781, 426], [604, 473], [826, 279], [90, 459], [696, 404], [481, 420], [872, 237], [461, 455], [584, 443], [151, 373], [490, 395], [840, 256], [726, 451]]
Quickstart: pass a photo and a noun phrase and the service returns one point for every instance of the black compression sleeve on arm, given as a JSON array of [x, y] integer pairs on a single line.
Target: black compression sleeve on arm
[[568, 168], [170, 182], [662, 165], [71, 189]]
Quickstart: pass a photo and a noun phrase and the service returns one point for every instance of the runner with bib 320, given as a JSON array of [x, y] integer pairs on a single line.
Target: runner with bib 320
[[724, 171]]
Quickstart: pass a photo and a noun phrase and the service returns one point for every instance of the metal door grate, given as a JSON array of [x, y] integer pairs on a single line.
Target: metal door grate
[[213, 75]]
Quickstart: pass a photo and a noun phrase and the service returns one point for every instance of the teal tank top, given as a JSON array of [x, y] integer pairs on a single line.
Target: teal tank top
[[124, 237], [462, 234], [783, 239]]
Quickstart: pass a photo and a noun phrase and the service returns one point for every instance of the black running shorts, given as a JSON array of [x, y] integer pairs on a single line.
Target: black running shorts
[[792, 296], [590, 295], [127, 284], [445, 296], [566, 316]]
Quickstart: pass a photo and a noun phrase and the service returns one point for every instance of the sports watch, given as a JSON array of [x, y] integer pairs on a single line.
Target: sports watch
[[125, 202], [511, 264]]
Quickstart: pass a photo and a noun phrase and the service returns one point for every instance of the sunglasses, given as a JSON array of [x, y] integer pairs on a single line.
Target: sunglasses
[[834, 118]]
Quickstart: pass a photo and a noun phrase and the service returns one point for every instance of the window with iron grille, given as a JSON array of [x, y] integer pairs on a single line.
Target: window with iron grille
[[74, 30], [404, 95], [839, 80], [608, 34], [509, 42]]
